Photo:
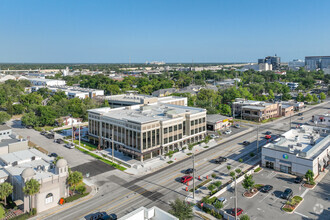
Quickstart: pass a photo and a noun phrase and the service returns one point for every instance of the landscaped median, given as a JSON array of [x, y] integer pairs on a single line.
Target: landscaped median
[[292, 204], [254, 191], [102, 159]]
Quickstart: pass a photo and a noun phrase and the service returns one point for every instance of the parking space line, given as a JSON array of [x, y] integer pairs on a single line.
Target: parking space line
[[304, 193], [301, 214], [264, 198]]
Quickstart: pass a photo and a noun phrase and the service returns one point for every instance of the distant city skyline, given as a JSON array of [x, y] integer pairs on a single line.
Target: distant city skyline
[[172, 31]]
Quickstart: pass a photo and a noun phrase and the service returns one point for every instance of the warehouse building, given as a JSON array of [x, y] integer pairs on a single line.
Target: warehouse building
[[299, 150]]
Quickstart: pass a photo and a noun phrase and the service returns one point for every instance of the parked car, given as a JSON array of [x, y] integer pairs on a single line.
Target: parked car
[[268, 132], [228, 132], [49, 136], [266, 188], [238, 211], [237, 126], [113, 216], [268, 137], [189, 171], [186, 179], [59, 141], [298, 179], [43, 132], [246, 143], [220, 160], [212, 136], [301, 118], [53, 155], [70, 146], [300, 114], [287, 193], [100, 216], [222, 199]]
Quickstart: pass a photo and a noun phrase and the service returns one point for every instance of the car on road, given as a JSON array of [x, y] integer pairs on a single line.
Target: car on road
[[298, 179], [228, 132], [268, 132], [237, 126], [287, 193], [301, 118], [266, 188], [213, 136], [300, 114], [220, 160], [43, 132], [239, 211], [100, 216], [59, 141], [268, 137], [49, 136], [222, 199], [113, 216], [53, 155], [246, 143], [189, 171], [186, 179], [70, 146]]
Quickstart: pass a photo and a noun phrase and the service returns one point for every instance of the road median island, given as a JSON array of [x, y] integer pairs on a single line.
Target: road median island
[[292, 204]]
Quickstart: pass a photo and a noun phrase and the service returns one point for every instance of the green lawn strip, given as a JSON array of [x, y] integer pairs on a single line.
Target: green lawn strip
[[201, 184], [2, 212], [74, 197], [102, 159], [86, 145]]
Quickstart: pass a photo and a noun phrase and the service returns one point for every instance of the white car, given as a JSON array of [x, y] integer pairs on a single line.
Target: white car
[[222, 199], [70, 146], [228, 132], [212, 136]]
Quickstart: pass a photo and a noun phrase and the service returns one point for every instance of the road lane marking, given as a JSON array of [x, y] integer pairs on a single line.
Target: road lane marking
[[264, 197], [301, 214]]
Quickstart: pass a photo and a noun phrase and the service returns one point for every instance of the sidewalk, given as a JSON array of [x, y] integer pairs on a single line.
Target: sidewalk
[[59, 208]]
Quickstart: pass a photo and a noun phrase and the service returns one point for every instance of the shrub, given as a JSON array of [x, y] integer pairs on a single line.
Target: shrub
[[211, 187], [217, 184], [240, 160], [190, 146], [81, 189], [218, 205], [74, 197], [189, 154], [251, 154], [228, 167], [169, 162], [33, 212], [257, 170], [206, 147], [214, 175], [201, 184], [287, 209], [244, 217]]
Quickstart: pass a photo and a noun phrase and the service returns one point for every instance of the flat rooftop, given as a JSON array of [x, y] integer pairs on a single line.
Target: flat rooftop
[[216, 118], [4, 127], [307, 141], [148, 113]]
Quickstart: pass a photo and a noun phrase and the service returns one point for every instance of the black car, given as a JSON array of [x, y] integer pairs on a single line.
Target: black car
[[246, 143], [53, 155], [101, 216], [59, 141], [220, 160], [113, 216], [287, 193], [43, 132], [300, 114], [189, 171], [268, 132], [298, 179], [266, 188]]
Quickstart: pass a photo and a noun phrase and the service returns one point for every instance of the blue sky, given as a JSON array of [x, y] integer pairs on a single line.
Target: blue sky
[[112, 31]]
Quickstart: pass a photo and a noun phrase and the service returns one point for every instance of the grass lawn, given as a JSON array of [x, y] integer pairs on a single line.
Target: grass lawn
[[86, 145], [2, 212], [102, 159]]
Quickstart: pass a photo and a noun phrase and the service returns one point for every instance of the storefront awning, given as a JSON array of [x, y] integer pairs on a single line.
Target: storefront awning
[[18, 202]]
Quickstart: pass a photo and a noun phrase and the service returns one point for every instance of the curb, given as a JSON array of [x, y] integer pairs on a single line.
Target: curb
[[251, 196]]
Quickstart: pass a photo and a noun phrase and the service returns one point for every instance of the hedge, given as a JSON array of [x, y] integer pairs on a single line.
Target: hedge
[[74, 197]]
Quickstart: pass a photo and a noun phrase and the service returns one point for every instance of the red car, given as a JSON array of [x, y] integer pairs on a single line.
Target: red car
[[185, 179], [239, 211], [268, 137]]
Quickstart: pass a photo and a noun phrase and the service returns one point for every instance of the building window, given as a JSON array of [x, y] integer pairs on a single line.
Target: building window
[[170, 139], [196, 122], [180, 126], [175, 137], [165, 140], [184, 128], [203, 119], [192, 123], [170, 129], [175, 127], [192, 131], [165, 130], [196, 130], [200, 121], [49, 198], [180, 136]]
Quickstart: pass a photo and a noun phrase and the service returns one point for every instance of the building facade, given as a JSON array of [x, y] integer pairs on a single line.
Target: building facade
[[145, 131], [275, 61], [317, 62], [218, 122], [46, 82], [298, 150], [322, 119]]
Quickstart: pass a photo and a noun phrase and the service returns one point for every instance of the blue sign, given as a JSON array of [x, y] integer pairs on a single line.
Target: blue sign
[[285, 156]]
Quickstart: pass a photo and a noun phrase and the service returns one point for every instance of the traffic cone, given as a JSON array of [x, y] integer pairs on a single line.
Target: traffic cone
[[207, 177], [187, 183], [199, 177], [187, 189]]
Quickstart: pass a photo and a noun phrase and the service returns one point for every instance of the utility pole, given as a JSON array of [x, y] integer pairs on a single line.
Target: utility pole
[[112, 151], [79, 135], [290, 119], [235, 199], [240, 124], [72, 130], [236, 80], [194, 175]]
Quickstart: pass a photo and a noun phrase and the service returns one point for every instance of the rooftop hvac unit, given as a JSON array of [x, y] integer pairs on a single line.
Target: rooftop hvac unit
[[299, 144], [14, 163], [33, 158], [291, 146]]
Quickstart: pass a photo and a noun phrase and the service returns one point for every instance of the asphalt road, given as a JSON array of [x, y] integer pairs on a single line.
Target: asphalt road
[[120, 196]]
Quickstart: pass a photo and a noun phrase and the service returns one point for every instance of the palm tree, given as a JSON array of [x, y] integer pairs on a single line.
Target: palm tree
[[31, 188], [5, 190], [181, 209], [75, 179]]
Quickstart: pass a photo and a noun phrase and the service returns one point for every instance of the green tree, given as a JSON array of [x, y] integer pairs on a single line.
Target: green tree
[[271, 95], [211, 187], [322, 96], [75, 179], [232, 174], [31, 188], [300, 97], [315, 98], [18, 109], [248, 182], [225, 109], [310, 177], [218, 205], [4, 117], [5, 190], [244, 217], [286, 96], [308, 98], [181, 209], [30, 119]]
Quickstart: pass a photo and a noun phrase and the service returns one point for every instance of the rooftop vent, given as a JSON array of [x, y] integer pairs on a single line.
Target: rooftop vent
[[33, 158], [15, 163]]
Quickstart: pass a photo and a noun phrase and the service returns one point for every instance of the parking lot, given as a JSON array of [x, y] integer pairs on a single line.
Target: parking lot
[[263, 205]]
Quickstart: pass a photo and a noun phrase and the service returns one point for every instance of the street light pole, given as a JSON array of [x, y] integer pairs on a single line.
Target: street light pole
[[257, 139], [72, 129], [290, 119], [79, 134], [194, 175], [112, 151], [235, 199]]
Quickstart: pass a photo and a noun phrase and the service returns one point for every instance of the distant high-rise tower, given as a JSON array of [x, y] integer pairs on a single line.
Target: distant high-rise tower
[[275, 61]]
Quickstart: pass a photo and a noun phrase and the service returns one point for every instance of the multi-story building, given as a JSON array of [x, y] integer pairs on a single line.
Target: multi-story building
[[9, 142], [275, 61], [298, 150], [265, 66], [154, 213], [145, 131], [72, 91], [133, 98], [317, 62], [296, 64], [46, 82], [19, 167], [322, 119]]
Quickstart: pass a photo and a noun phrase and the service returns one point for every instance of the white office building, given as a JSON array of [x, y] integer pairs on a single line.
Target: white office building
[[299, 150], [153, 213], [46, 82]]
